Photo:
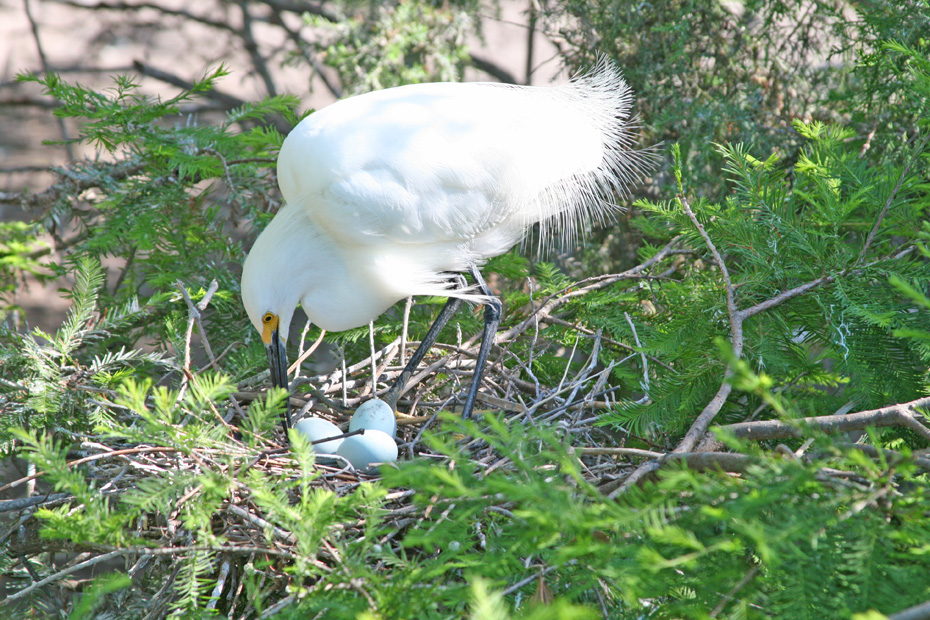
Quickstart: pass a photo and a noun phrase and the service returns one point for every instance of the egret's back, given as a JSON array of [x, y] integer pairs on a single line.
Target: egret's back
[[390, 191], [469, 166]]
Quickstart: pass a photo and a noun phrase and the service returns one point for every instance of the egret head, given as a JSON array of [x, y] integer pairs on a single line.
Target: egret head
[[270, 294]]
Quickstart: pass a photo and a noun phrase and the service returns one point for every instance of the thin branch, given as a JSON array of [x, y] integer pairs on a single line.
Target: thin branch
[[499, 73], [707, 415], [562, 297], [123, 7], [142, 551], [88, 459], [736, 322], [639, 345], [65, 137], [787, 295], [225, 99], [251, 46], [742, 583], [915, 155]]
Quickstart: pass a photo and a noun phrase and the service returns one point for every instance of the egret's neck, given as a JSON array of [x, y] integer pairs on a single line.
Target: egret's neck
[[293, 262], [282, 267]]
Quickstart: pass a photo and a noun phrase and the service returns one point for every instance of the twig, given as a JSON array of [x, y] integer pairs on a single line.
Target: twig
[[636, 452], [34, 27], [139, 551], [639, 345], [88, 459], [915, 155], [495, 71], [736, 323], [194, 317], [245, 33], [220, 583], [588, 332], [287, 537], [742, 583], [303, 356], [403, 334], [578, 289], [28, 502], [702, 422], [226, 100]]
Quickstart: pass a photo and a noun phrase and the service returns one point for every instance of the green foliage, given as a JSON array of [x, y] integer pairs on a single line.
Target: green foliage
[[807, 177], [382, 44], [163, 198], [782, 230], [20, 251]]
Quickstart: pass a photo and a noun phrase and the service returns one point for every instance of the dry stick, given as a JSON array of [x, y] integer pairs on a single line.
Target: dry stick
[[889, 455], [303, 356], [343, 374], [374, 364], [635, 452], [220, 583], [894, 415], [554, 301], [88, 459], [403, 335], [567, 294], [68, 186], [251, 46], [645, 361], [257, 521], [301, 47], [700, 426], [142, 551], [193, 317], [606, 340]]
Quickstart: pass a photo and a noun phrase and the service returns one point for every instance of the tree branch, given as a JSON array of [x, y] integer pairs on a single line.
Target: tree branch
[[903, 414]]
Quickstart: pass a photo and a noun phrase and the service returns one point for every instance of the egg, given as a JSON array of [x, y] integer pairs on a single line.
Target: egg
[[370, 447], [374, 415], [314, 429]]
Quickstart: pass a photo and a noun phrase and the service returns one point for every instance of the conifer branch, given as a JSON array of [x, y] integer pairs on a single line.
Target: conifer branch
[[915, 156]]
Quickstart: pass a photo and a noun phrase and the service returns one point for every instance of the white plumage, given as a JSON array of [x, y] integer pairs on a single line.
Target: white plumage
[[389, 192]]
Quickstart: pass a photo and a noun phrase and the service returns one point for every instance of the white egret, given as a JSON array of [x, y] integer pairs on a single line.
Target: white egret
[[398, 192]]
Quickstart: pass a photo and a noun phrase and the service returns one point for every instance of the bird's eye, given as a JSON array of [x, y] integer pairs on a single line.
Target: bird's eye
[[267, 318]]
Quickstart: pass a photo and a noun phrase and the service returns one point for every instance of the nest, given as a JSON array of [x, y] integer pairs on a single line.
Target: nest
[[159, 544]]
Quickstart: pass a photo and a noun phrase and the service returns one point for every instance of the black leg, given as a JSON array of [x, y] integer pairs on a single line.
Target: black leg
[[393, 394], [492, 318]]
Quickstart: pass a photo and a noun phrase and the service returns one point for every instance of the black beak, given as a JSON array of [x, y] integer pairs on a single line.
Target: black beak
[[277, 364]]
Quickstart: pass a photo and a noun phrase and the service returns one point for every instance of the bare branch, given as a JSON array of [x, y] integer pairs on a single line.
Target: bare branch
[[499, 73], [918, 612], [66, 139], [894, 415]]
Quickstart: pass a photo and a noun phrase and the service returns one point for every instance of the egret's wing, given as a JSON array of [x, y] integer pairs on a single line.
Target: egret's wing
[[410, 165], [447, 162]]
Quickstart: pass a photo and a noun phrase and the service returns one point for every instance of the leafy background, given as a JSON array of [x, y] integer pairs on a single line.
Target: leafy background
[[730, 423]]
